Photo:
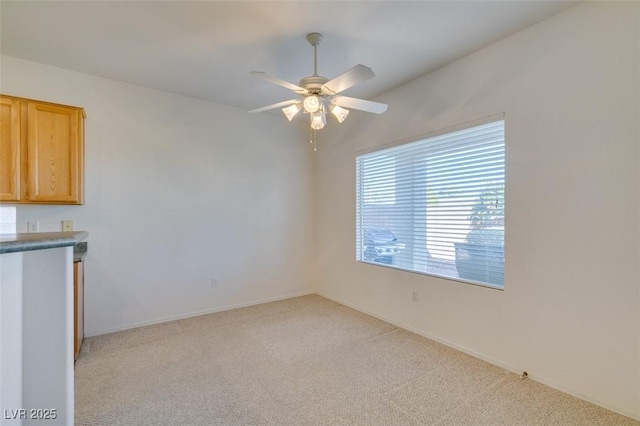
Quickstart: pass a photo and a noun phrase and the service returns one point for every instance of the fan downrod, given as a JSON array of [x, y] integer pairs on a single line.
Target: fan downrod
[[314, 82]]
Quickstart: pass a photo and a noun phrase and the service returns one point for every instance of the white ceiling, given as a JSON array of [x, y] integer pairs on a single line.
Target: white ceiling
[[206, 49]]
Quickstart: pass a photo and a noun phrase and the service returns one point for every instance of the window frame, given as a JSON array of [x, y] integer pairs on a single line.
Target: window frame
[[433, 134]]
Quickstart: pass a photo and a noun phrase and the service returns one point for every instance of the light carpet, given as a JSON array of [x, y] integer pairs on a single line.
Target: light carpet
[[304, 361]]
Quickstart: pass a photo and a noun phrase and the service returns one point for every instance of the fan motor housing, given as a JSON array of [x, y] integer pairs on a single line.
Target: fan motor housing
[[313, 83]]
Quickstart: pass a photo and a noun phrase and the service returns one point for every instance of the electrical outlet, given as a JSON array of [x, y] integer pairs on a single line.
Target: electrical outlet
[[214, 282], [67, 225], [33, 226], [414, 297]]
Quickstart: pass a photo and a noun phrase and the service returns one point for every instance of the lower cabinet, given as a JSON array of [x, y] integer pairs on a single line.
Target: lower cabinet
[[78, 312]]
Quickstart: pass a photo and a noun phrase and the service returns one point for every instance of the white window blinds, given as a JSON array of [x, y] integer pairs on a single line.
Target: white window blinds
[[436, 206]]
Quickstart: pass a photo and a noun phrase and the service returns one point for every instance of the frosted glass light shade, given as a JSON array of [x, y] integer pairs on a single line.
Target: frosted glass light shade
[[318, 120], [340, 113], [291, 111], [311, 104]]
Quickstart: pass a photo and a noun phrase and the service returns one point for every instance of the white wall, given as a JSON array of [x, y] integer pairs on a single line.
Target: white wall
[[570, 311], [178, 191]]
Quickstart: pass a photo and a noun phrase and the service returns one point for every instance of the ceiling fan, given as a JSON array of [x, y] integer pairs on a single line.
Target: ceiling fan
[[319, 95]]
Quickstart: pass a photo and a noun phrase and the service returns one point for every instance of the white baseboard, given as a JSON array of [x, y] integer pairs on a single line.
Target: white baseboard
[[94, 333], [540, 379]]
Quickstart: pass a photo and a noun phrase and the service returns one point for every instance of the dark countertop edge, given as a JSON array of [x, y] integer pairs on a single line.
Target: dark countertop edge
[[79, 251], [13, 243]]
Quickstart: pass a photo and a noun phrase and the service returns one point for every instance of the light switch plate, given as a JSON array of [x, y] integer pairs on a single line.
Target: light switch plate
[[67, 225]]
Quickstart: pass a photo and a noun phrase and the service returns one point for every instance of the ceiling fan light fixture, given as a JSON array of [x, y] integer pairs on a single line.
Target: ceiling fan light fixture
[[311, 104], [339, 113], [319, 96], [318, 120], [291, 111]]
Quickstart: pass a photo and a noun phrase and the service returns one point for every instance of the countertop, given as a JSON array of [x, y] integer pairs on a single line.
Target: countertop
[[12, 243]]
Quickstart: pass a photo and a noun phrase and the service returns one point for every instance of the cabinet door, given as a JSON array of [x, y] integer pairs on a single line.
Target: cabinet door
[[9, 149], [55, 151]]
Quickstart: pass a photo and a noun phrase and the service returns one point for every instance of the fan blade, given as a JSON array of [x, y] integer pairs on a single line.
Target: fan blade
[[361, 104], [278, 105], [347, 79], [280, 82]]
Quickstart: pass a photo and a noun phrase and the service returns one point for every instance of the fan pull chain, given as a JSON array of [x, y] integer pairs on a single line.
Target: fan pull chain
[[313, 136], [315, 139]]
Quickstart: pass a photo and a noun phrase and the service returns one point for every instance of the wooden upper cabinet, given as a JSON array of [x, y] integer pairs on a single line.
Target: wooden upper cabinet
[[51, 154], [10, 147], [54, 147]]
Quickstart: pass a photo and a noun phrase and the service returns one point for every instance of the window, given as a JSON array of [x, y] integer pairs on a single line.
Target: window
[[436, 205]]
